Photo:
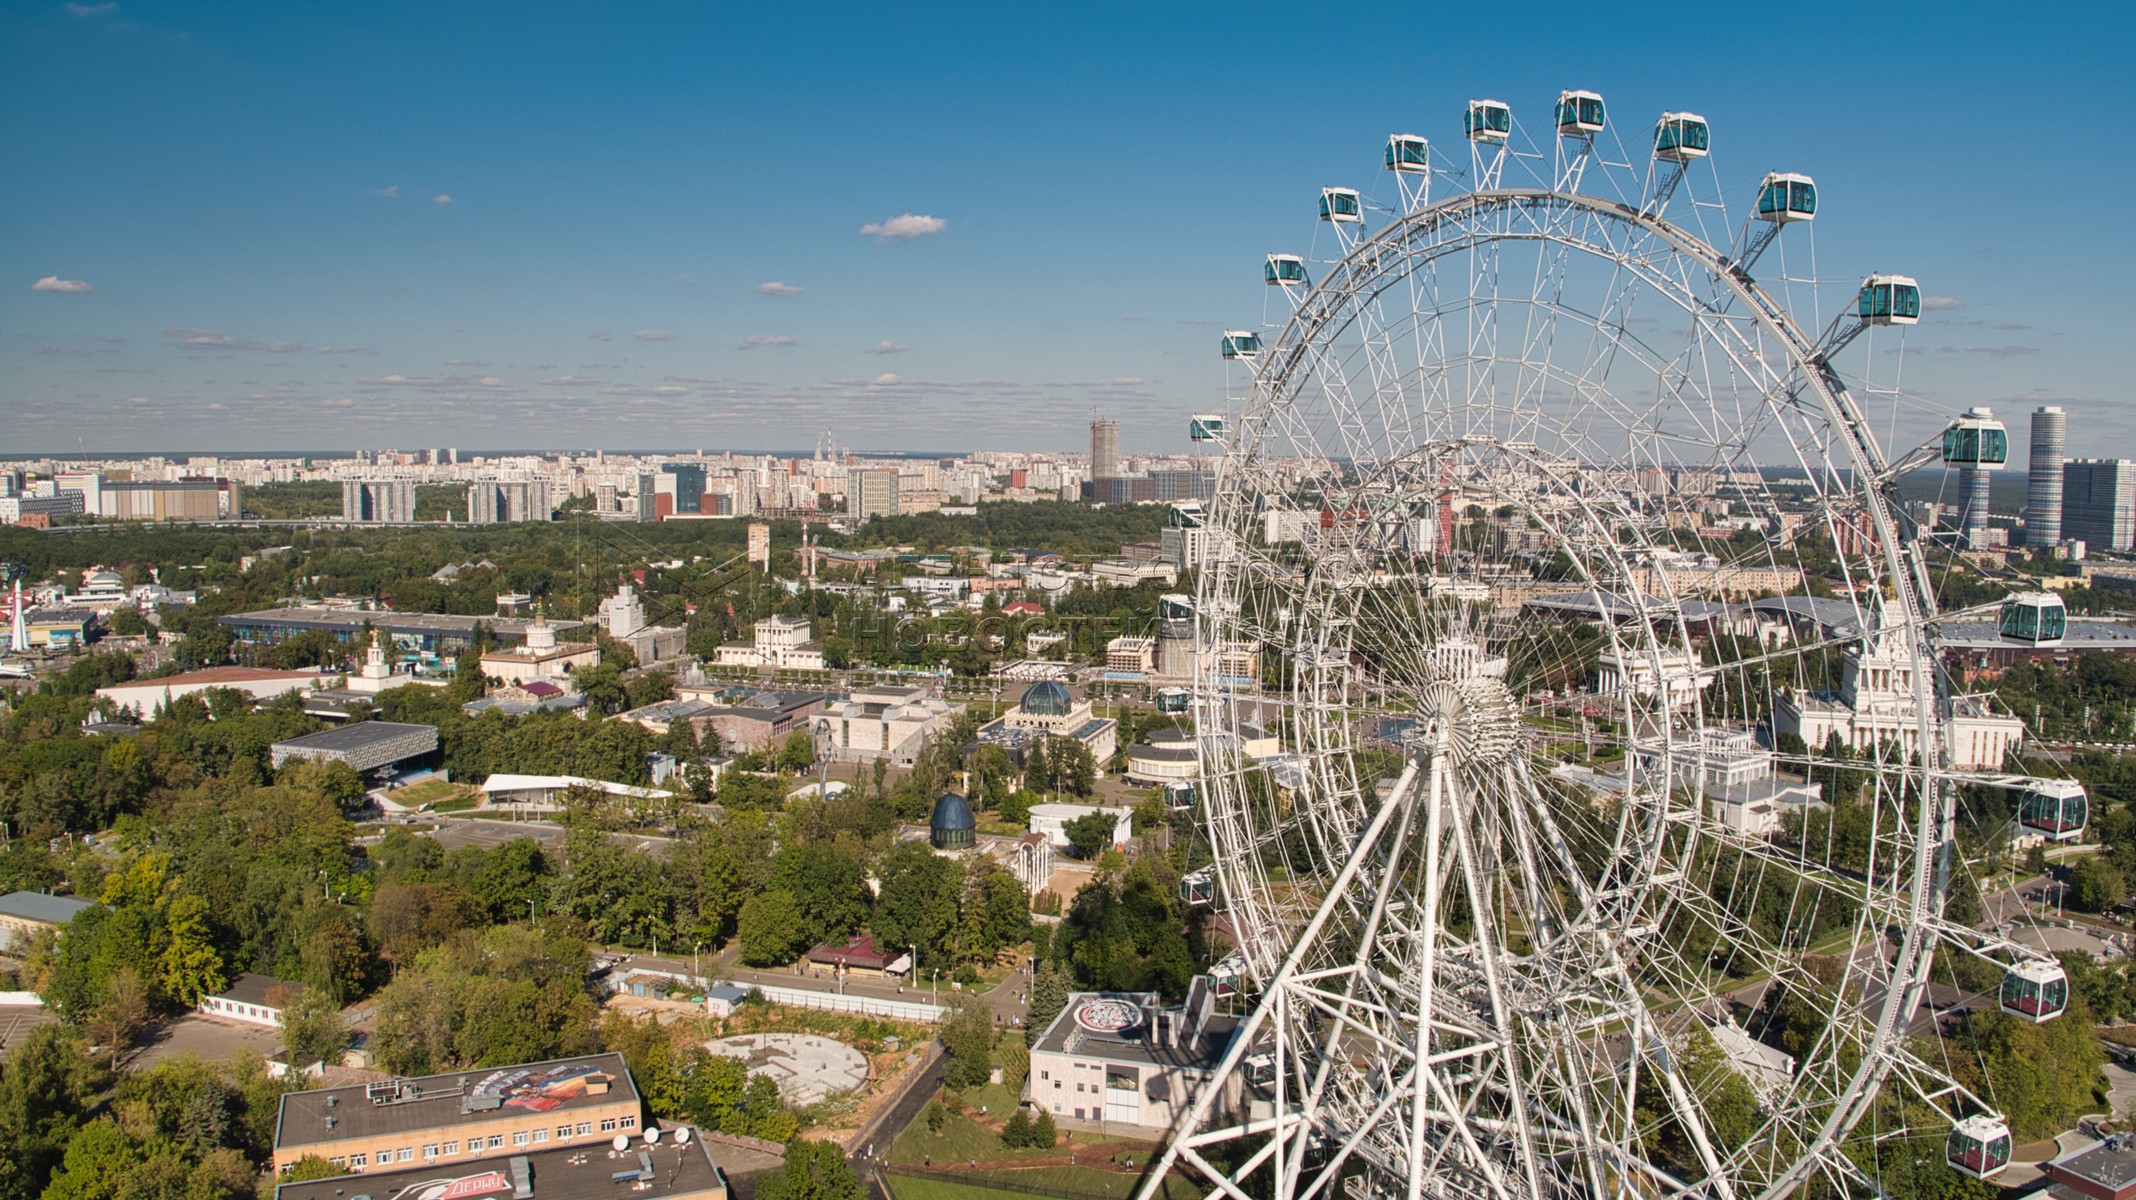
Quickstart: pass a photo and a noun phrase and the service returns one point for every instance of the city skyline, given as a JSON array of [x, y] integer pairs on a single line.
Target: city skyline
[[717, 229]]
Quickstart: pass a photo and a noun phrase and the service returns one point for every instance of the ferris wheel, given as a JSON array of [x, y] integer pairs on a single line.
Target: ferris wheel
[[1557, 526]]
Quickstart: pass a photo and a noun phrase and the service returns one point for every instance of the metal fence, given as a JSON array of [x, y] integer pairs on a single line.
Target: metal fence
[[877, 1006]]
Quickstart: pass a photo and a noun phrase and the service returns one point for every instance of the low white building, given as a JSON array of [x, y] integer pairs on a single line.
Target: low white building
[[779, 642], [1875, 705], [1672, 676], [543, 657], [146, 697], [1120, 1059], [545, 793], [885, 721], [253, 999], [1051, 821]]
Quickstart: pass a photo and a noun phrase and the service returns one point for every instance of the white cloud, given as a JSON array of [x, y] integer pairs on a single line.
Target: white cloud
[[598, 335], [441, 198], [1942, 303], [389, 192], [903, 228], [90, 10], [652, 335], [53, 283], [773, 287], [887, 378], [1127, 380], [758, 341], [886, 346]]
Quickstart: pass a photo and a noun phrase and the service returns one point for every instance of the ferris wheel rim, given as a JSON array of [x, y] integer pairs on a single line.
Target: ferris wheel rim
[[1837, 408]]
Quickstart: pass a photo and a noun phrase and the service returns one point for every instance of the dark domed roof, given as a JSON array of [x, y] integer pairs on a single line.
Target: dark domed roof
[[952, 811], [952, 827], [1046, 698]]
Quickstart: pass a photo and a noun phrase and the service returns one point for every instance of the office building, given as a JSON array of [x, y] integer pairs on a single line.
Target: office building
[[460, 1117], [871, 492], [647, 499], [1104, 449], [686, 481], [2043, 485], [2099, 502], [378, 500], [497, 501]]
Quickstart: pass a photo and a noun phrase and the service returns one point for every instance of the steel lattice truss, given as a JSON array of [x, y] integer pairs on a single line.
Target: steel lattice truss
[[1479, 974]]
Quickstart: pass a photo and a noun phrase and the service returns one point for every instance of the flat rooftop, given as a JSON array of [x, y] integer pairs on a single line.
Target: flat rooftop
[[596, 1171], [36, 906], [1087, 1028], [460, 1098], [358, 736]]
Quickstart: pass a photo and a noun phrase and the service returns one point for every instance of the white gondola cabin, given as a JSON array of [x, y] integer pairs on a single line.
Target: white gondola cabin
[[2057, 808], [2035, 618], [1408, 153], [1260, 1070], [1888, 300], [1976, 440], [2035, 991], [1172, 606], [1179, 797], [1978, 1146], [1173, 699], [1681, 137], [1341, 204], [1784, 197], [1284, 270], [1487, 121], [1579, 114], [1205, 427], [1241, 344], [1198, 888]]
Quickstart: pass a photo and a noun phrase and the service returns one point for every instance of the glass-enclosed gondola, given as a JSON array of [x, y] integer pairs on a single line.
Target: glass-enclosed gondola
[[1260, 1070], [1976, 440], [1179, 797], [1205, 427], [2055, 807], [1198, 888], [1283, 269], [2035, 991], [1173, 699], [1785, 197], [1579, 114], [1487, 121], [1681, 137], [1978, 1146], [1341, 204], [2036, 618], [1888, 300], [1241, 343], [1406, 152]]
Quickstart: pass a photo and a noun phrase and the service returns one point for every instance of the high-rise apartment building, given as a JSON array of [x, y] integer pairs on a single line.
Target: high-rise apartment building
[[648, 492], [2043, 486], [871, 492], [381, 500], [2099, 502], [1104, 449], [494, 501]]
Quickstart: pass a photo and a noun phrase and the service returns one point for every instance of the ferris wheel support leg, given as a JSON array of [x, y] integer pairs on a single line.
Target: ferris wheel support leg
[[1213, 1087]]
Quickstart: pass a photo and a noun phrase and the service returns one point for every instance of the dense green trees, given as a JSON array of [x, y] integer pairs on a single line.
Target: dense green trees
[[812, 1171]]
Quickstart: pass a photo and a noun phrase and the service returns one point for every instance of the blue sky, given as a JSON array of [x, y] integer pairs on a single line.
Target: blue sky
[[257, 197]]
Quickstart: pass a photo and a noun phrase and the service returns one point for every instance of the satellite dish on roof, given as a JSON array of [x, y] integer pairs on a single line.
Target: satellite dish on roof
[[621, 1143], [652, 1137], [682, 1136]]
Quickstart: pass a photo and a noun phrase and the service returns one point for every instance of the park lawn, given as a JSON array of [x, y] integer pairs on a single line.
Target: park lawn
[[993, 1185], [436, 792]]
